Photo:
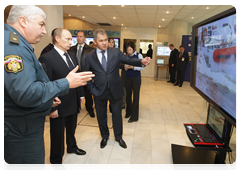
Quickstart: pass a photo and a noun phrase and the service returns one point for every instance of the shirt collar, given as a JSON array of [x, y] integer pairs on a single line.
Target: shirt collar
[[81, 45], [135, 53], [59, 51]]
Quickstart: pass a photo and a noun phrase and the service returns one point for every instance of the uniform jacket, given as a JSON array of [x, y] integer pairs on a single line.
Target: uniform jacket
[[27, 89], [85, 50], [182, 63], [173, 57], [56, 68], [110, 78]]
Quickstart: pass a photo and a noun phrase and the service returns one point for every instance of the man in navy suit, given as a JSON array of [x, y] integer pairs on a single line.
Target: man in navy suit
[[107, 85], [182, 61], [58, 64]]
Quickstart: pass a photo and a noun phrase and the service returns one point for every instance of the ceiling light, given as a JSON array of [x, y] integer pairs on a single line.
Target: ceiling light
[[83, 17], [163, 19], [207, 7], [122, 5], [192, 17], [121, 24], [167, 12], [114, 17], [99, 5], [159, 26], [69, 15]]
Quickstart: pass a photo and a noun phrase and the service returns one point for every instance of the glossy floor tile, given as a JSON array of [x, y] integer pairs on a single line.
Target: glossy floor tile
[[163, 110]]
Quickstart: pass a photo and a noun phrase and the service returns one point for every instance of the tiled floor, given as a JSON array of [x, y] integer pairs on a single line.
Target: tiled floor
[[163, 110]]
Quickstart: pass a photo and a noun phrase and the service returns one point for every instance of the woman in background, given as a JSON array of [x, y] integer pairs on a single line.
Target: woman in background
[[133, 83]]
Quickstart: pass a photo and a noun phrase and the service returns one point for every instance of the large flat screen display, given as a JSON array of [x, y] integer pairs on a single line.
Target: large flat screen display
[[163, 51], [214, 66]]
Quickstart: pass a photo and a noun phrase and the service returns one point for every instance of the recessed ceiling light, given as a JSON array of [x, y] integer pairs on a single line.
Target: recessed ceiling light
[[163, 19], [122, 5], [99, 5], [207, 7], [69, 15], [192, 17], [114, 17], [121, 24], [167, 12], [83, 17], [159, 26]]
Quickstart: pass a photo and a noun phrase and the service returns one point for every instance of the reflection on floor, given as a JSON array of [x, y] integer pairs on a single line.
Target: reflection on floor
[[163, 110]]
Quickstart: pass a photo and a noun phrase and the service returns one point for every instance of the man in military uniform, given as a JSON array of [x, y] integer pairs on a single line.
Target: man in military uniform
[[28, 93]]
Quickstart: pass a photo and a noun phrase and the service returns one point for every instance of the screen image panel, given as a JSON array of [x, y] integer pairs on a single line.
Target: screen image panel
[[216, 62]]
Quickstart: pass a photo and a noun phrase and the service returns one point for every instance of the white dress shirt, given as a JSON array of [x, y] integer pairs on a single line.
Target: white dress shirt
[[60, 52], [99, 54]]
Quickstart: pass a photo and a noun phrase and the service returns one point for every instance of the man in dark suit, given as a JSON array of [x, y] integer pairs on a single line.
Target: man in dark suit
[[58, 64], [172, 63], [50, 46], [107, 85], [182, 62], [80, 49]]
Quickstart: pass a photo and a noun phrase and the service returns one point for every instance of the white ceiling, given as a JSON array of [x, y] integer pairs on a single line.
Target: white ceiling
[[142, 15]]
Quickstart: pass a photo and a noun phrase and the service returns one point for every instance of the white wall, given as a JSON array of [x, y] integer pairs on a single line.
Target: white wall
[[141, 33]]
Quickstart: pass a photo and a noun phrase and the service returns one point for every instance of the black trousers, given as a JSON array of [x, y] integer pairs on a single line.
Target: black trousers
[[133, 86], [116, 108], [172, 72], [88, 99], [57, 126], [180, 76], [23, 140]]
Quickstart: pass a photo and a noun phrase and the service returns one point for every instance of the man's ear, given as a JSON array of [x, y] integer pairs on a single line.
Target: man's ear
[[95, 42], [23, 21], [57, 38]]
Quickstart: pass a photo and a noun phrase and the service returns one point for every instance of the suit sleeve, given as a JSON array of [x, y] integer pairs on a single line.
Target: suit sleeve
[[131, 61], [90, 83]]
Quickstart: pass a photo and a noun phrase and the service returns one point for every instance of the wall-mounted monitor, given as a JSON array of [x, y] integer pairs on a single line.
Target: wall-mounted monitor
[[213, 69], [163, 51]]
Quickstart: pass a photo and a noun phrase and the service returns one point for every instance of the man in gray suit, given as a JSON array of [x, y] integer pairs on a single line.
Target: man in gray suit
[[107, 85]]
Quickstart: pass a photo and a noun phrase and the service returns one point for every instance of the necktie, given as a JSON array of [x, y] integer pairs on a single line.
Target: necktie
[[104, 61], [180, 56], [79, 55], [70, 65]]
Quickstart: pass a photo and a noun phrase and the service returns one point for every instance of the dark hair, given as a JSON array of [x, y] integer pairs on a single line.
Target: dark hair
[[84, 33], [149, 45], [171, 45], [113, 41], [181, 46], [90, 42], [53, 31], [130, 44]]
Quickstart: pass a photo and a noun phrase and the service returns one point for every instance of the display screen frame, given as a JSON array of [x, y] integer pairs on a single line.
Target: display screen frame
[[217, 17]]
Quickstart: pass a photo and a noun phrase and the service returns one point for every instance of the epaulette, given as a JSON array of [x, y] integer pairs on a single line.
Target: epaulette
[[14, 38]]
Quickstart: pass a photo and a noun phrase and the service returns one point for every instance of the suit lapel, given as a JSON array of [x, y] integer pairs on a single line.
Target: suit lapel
[[60, 60]]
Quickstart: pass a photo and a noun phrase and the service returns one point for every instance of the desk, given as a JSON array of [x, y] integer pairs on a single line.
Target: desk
[[161, 67], [189, 155]]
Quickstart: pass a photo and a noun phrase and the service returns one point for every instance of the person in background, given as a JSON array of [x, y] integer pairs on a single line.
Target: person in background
[[133, 83], [80, 50], [150, 51], [91, 44], [172, 63], [28, 93], [58, 64], [107, 86], [182, 62], [50, 46]]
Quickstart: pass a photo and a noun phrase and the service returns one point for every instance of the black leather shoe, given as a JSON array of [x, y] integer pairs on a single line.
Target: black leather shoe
[[176, 84], [127, 116], [130, 121], [103, 143], [180, 85], [79, 152], [122, 143], [91, 114], [169, 81], [60, 167]]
